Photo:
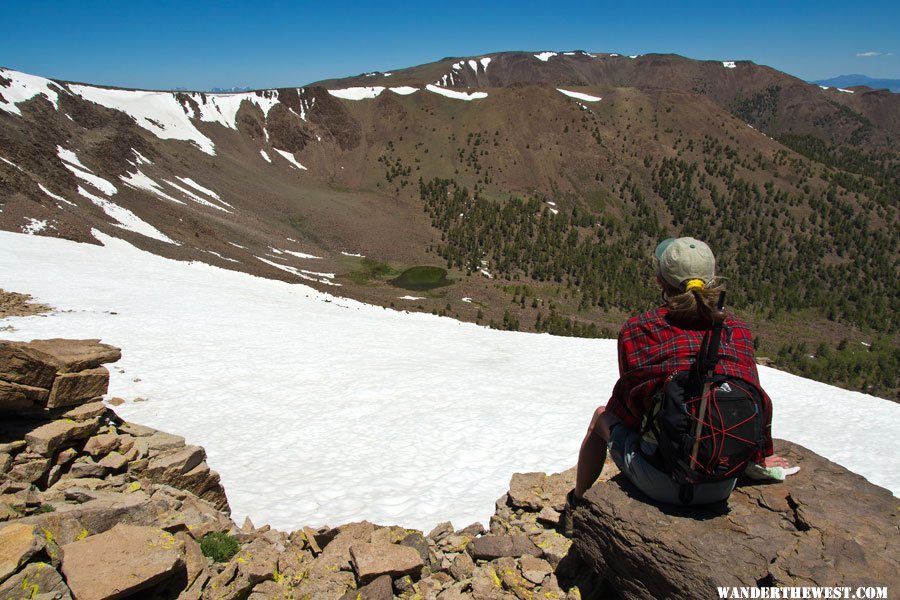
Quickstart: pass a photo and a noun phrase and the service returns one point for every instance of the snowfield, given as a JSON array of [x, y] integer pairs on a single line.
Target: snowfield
[[321, 410]]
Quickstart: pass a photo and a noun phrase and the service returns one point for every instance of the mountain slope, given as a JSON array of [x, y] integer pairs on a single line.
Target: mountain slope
[[349, 182]]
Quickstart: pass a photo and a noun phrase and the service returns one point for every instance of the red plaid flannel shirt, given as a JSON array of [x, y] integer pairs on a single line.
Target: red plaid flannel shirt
[[651, 348]]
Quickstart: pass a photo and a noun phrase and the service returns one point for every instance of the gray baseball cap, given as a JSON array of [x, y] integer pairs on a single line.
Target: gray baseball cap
[[681, 259]]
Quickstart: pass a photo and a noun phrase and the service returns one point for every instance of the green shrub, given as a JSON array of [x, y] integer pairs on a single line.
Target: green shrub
[[219, 546]]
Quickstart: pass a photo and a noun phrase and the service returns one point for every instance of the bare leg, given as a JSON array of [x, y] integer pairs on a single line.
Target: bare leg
[[592, 455]]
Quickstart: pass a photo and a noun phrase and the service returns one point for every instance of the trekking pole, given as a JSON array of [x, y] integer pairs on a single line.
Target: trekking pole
[[707, 360]]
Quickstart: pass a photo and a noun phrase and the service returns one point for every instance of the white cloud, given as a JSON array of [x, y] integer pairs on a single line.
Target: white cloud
[[867, 54]]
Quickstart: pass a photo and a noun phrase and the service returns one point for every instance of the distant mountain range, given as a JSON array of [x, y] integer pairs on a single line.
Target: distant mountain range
[[216, 90], [230, 90], [537, 180], [846, 81]]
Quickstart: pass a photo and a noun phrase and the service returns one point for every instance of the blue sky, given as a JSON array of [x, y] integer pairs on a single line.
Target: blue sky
[[201, 44]]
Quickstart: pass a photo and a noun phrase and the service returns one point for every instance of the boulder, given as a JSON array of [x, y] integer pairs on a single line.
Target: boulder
[[255, 563], [553, 545], [379, 589], [534, 491], [102, 444], [70, 389], [440, 531], [66, 456], [29, 467], [186, 469], [491, 547], [328, 575], [70, 356], [71, 522], [46, 439], [15, 397], [372, 560], [121, 561], [417, 541], [86, 411], [195, 562], [22, 364], [535, 569], [18, 543], [35, 580], [822, 527], [462, 567], [85, 466], [113, 461], [487, 585]]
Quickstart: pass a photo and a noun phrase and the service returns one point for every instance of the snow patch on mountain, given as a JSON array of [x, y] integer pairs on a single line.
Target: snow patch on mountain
[[125, 219], [729, 64], [357, 93], [846, 91], [223, 108], [34, 226], [141, 159], [214, 253], [93, 180], [545, 56], [11, 163], [265, 156], [301, 273], [456, 95], [195, 197], [485, 62], [139, 181], [290, 158], [22, 87], [70, 157], [404, 90], [157, 112], [205, 190], [579, 95], [301, 254], [55, 196]]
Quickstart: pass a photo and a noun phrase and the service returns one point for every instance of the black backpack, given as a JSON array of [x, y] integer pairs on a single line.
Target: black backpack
[[707, 427]]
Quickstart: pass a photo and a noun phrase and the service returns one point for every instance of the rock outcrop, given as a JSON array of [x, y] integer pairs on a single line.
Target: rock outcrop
[[823, 527], [84, 494]]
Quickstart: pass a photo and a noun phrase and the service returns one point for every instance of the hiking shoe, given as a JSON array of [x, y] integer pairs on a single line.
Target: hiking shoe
[[567, 519]]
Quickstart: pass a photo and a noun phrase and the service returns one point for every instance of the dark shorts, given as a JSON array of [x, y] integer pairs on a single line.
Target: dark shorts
[[624, 447]]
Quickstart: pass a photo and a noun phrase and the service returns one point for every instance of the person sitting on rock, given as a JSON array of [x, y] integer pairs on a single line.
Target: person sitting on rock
[[651, 347]]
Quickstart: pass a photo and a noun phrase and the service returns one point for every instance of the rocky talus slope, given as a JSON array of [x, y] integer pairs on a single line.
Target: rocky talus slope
[[95, 508]]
